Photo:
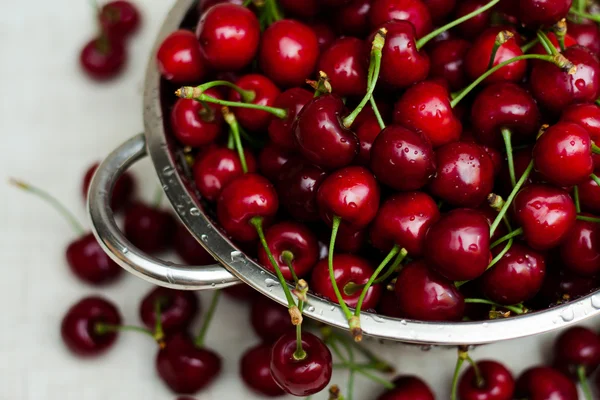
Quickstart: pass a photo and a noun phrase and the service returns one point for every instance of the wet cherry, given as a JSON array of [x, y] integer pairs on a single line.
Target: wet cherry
[[265, 93], [353, 18], [193, 124], [577, 347], [271, 160], [269, 320], [498, 383], [589, 196], [345, 63], [367, 129], [413, 11], [178, 308], [255, 369], [179, 58], [475, 26], [535, 13], [588, 117], [297, 188], [580, 249], [447, 62], [587, 35], [280, 130]]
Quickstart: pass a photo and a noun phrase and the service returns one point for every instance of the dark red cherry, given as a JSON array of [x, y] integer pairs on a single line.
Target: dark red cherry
[[447, 62], [588, 117], [246, 197], [148, 228], [521, 158], [504, 105], [90, 263], [577, 347], [185, 368], [188, 248], [297, 188], [288, 52], [458, 245], [119, 19], [563, 154], [472, 27], [353, 18], [495, 155], [498, 383], [490, 214], [229, 35], [265, 94], [280, 130], [425, 108], [561, 285], [545, 383], [465, 174], [335, 3], [589, 196], [180, 59], [388, 304], [535, 13], [241, 293], [271, 160], [439, 9], [367, 130], [324, 32], [294, 238], [408, 388], [425, 295], [413, 11], [517, 277], [78, 327], [320, 135], [545, 213], [178, 308], [349, 239], [345, 63], [403, 220], [216, 167], [587, 35], [255, 369], [102, 58], [204, 5], [270, 320], [347, 269], [196, 126], [580, 249], [301, 377], [304, 9], [402, 159], [123, 189]]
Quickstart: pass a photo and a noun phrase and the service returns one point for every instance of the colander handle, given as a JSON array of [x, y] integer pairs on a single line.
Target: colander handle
[[116, 245]]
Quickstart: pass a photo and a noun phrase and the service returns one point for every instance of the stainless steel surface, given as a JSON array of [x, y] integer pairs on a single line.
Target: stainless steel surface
[[165, 154]]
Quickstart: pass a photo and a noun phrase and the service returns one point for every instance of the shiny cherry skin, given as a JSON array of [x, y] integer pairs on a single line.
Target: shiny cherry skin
[[536, 13], [521, 158], [478, 56], [229, 36], [517, 277], [589, 195], [193, 125], [271, 160], [180, 59], [255, 369], [185, 368], [265, 93], [465, 174], [490, 214], [413, 11], [78, 327], [402, 159], [90, 263], [280, 130], [349, 239], [324, 32], [204, 5], [587, 35], [504, 105], [403, 220], [555, 89], [561, 285], [178, 308], [458, 245], [473, 27], [269, 320], [388, 305], [301, 377], [498, 382], [353, 18], [586, 115], [347, 269], [563, 154], [294, 238], [216, 167], [345, 63], [246, 197], [123, 189], [425, 108], [367, 131], [335, 3], [148, 228], [439, 9], [447, 62], [297, 188], [545, 383], [187, 247], [288, 52], [321, 137], [580, 249], [119, 19], [408, 388], [425, 295], [304, 9], [103, 59], [575, 347]]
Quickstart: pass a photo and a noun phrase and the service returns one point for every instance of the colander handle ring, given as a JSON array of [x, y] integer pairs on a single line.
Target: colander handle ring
[[116, 245]]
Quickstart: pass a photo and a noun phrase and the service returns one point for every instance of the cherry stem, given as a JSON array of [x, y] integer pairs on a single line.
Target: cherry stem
[[516, 232], [529, 45], [100, 328], [350, 389], [288, 257], [595, 148], [199, 342], [235, 132], [247, 3], [517, 309], [423, 41], [592, 17], [374, 106], [158, 196], [48, 198], [248, 96], [507, 136], [459, 362], [399, 258], [321, 86], [583, 382], [588, 219], [273, 10], [501, 38], [499, 256], [374, 68], [560, 30], [230, 141], [159, 333], [548, 45], [478, 377], [299, 354], [595, 178], [576, 199]]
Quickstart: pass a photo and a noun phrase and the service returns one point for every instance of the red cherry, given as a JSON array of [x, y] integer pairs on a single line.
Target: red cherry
[[271, 160], [498, 383], [403, 220], [229, 35], [122, 191], [193, 125], [119, 19], [577, 347], [588, 117], [545, 383], [490, 214], [179, 58], [178, 308], [543, 12], [561, 285], [427, 296], [188, 248], [265, 93], [402, 159], [345, 64], [353, 18], [587, 35], [255, 369], [304, 9], [413, 11], [335, 3], [204, 5], [246, 197], [495, 155], [269, 319], [347, 269], [148, 228], [367, 130], [349, 239], [539, 49], [301, 377], [447, 62], [288, 52], [439, 9], [474, 26], [580, 249], [280, 130], [297, 189], [546, 215], [589, 196], [388, 305], [522, 158], [103, 59], [408, 388], [324, 33], [90, 263], [78, 327]]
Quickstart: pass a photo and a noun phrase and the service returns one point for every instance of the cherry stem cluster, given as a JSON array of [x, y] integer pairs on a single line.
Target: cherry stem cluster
[[235, 134]]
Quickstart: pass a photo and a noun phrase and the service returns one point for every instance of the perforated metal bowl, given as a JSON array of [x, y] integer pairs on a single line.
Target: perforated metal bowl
[[234, 267]]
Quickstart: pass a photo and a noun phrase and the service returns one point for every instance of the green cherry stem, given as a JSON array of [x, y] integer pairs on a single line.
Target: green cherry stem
[[235, 132], [248, 96], [501, 38], [576, 199], [478, 377], [591, 17], [544, 43], [547, 43], [507, 136], [159, 334], [101, 328], [588, 219], [529, 45], [374, 106], [517, 308], [595, 148], [595, 178], [560, 31], [516, 232], [583, 382], [199, 342], [299, 354], [288, 258], [399, 258], [493, 262], [462, 356]]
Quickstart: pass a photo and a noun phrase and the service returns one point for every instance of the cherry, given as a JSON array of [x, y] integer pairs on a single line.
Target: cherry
[[271, 160], [439, 9], [204, 5], [325, 34], [179, 58], [447, 62], [589, 196], [577, 348], [580, 249], [413, 11], [188, 248], [543, 12], [90, 263], [269, 319], [178, 308], [367, 130], [588, 117], [521, 158], [280, 130], [304, 9], [350, 239], [516, 277], [465, 174], [102, 58], [425, 107], [246, 197], [255, 368], [353, 18], [193, 124], [497, 382], [403, 220], [148, 228], [561, 285], [119, 19], [425, 295], [349, 270], [476, 25], [546, 215], [240, 293], [388, 305], [587, 35], [122, 190], [78, 327], [335, 3], [408, 388], [563, 154], [302, 377], [321, 138], [545, 383], [185, 368], [297, 189], [216, 167], [265, 93], [229, 35], [402, 159], [288, 52], [345, 64]]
